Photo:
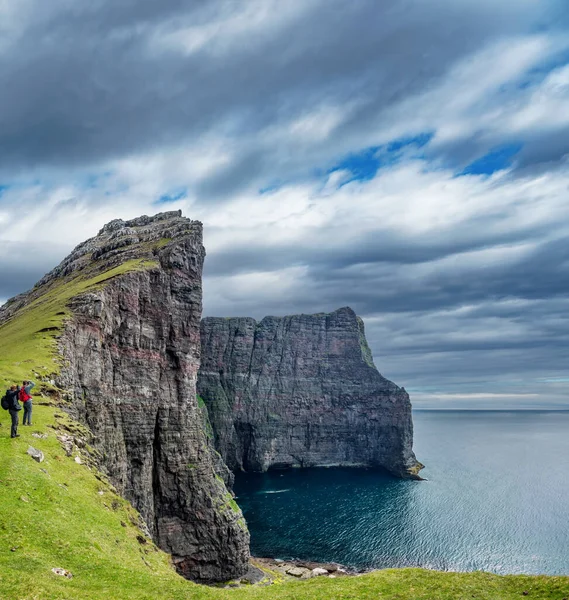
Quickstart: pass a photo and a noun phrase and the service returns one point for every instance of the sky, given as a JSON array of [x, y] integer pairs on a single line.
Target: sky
[[407, 158]]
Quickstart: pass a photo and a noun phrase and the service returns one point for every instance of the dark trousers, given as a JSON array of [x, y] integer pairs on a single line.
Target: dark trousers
[[28, 412], [14, 428]]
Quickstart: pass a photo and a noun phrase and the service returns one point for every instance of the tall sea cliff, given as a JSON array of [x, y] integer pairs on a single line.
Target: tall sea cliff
[[302, 391], [129, 348]]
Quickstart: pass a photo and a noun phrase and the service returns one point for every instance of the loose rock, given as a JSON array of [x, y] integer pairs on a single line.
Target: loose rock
[[36, 454], [62, 572], [67, 443], [297, 571]]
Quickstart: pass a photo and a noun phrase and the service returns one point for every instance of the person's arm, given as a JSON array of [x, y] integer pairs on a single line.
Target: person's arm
[[30, 385], [15, 403]]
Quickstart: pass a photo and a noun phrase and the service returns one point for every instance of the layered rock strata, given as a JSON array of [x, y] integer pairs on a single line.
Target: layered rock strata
[[302, 391], [130, 356]]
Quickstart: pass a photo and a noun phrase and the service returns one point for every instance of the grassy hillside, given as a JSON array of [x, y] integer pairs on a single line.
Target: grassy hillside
[[63, 514]]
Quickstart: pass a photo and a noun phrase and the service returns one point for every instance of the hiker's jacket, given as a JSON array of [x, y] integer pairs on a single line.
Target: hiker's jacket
[[13, 403], [26, 392]]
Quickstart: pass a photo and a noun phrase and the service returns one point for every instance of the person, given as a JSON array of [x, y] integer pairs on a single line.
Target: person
[[26, 400], [13, 408]]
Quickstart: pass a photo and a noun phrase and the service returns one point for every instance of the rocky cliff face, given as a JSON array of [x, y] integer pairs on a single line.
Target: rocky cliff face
[[130, 356], [302, 391]]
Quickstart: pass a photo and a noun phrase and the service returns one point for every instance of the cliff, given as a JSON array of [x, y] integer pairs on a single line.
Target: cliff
[[118, 322], [302, 391]]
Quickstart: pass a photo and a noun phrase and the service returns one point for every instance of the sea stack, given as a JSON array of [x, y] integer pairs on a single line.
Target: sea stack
[[302, 391]]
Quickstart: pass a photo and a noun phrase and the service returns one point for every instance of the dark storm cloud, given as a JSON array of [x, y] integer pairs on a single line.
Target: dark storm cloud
[[90, 84], [515, 350]]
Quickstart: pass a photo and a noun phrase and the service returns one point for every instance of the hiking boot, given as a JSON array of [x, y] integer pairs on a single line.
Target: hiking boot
[[17, 435]]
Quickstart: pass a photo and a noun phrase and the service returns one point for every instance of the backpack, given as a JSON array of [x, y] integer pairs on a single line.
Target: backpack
[[23, 395], [4, 402]]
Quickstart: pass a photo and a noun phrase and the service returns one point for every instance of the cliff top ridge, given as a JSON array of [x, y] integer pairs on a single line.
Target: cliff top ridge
[[345, 310], [142, 221], [140, 240], [119, 241]]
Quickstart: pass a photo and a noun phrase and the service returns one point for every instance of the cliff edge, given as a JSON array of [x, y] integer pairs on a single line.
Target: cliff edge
[[121, 316], [302, 391]]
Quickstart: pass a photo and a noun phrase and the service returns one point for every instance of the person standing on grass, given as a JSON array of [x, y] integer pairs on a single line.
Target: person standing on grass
[[26, 400], [13, 408]]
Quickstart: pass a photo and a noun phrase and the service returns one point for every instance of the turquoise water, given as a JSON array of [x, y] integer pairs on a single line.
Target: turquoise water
[[496, 499]]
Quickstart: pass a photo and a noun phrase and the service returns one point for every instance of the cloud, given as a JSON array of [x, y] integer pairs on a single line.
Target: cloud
[[115, 80], [409, 160]]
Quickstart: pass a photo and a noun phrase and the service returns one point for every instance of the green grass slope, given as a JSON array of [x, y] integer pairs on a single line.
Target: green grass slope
[[64, 514]]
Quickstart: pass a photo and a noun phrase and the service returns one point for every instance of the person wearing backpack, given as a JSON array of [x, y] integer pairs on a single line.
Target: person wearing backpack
[[26, 400], [13, 408]]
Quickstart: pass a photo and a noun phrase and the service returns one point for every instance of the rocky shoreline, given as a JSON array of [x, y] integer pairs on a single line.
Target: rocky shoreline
[[305, 569], [267, 571]]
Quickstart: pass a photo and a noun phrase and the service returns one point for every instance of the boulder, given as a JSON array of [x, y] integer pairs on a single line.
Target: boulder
[[297, 571]]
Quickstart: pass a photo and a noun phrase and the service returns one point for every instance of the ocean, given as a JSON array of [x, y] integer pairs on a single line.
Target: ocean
[[496, 499]]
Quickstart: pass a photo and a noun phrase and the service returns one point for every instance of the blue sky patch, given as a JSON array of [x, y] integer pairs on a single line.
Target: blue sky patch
[[172, 196], [497, 159], [365, 164]]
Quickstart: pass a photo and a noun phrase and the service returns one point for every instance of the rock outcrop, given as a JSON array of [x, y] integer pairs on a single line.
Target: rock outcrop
[[302, 391], [130, 353]]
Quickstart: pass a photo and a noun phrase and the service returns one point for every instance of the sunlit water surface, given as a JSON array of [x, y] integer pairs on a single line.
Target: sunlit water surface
[[496, 499]]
